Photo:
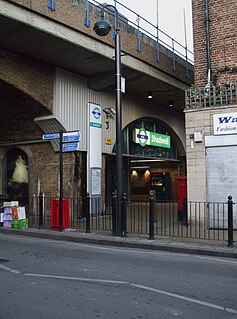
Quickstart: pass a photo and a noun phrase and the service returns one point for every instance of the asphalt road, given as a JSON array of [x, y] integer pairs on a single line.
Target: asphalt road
[[53, 279]]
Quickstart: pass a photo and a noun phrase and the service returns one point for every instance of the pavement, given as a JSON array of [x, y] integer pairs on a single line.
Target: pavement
[[136, 241]]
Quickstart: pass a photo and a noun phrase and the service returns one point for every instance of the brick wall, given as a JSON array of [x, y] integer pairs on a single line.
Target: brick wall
[[45, 167], [34, 78], [223, 39], [29, 84]]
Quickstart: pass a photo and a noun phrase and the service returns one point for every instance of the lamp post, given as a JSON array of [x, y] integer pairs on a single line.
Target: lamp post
[[102, 28]]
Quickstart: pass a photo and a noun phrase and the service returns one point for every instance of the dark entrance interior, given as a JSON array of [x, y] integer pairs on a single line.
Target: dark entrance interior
[[157, 175]]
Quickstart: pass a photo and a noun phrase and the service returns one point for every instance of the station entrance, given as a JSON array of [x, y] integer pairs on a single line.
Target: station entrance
[[151, 161]]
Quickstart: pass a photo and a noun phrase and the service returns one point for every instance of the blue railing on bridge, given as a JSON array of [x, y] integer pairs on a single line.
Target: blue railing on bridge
[[144, 30]]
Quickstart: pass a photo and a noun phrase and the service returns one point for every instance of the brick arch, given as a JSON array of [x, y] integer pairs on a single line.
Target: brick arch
[[32, 77], [18, 111]]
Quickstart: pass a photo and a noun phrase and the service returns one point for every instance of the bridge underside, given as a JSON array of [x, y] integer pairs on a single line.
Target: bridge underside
[[21, 38]]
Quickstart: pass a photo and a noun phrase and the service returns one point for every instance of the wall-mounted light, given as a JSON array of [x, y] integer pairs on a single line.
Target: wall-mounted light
[[149, 95], [109, 112], [134, 173], [147, 173]]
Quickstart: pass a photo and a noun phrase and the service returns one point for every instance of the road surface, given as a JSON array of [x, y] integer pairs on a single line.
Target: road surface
[[47, 279]]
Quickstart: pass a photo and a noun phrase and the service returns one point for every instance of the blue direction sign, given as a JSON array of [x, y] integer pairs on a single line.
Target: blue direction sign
[[51, 136], [71, 137], [70, 147]]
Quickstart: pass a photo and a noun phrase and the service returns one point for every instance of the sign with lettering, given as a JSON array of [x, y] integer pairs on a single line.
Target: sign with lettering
[[225, 123], [71, 137], [70, 147], [51, 136], [144, 137], [95, 116]]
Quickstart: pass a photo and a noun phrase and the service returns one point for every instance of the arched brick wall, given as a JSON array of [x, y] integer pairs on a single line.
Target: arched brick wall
[[32, 77]]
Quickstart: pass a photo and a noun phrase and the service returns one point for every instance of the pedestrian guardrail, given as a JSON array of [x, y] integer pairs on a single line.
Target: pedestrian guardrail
[[151, 217]]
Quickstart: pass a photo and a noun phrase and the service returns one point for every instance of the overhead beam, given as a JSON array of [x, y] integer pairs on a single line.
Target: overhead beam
[[103, 80]]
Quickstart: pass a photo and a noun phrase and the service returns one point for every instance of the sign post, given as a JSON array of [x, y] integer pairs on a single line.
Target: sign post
[[61, 183], [68, 142]]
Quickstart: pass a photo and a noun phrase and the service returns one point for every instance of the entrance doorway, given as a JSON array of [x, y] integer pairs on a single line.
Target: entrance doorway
[[151, 160], [157, 175]]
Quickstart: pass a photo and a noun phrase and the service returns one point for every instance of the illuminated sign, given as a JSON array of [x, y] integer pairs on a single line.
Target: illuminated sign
[[144, 138]]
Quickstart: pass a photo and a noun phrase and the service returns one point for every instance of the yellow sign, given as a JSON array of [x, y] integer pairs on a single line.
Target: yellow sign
[[108, 141]]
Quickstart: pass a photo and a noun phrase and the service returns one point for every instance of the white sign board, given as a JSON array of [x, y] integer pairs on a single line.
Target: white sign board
[[225, 123], [122, 85], [95, 150], [96, 181]]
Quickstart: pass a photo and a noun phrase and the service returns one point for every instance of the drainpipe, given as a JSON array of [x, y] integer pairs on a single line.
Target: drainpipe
[[207, 20]]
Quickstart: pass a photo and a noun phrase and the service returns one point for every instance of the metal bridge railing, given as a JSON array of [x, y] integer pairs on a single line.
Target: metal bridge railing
[[133, 23]]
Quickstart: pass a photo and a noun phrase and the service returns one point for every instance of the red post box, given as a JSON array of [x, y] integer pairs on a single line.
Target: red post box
[[182, 195], [54, 206]]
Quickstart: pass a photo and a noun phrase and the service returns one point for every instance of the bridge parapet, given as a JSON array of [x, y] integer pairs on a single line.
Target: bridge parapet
[[80, 15]]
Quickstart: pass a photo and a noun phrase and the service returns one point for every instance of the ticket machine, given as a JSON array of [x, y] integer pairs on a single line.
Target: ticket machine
[[160, 182]]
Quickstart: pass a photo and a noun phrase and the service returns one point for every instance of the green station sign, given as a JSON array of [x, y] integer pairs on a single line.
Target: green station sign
[[144, 138]]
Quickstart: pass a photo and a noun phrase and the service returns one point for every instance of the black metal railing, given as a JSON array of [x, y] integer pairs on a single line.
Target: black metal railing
[[200, 220], [144, 30]]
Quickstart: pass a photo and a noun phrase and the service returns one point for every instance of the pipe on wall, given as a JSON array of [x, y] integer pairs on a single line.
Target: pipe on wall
[[208, 46]]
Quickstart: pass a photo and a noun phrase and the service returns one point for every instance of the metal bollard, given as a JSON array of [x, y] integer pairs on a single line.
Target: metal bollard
[[152, 213], [88, 217], [230, 222], [41, 209], [124, 215], [114, 197]]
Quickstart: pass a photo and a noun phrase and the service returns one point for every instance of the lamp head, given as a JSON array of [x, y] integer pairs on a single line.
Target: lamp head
[[149, 95], [102, 27], [112, 110]]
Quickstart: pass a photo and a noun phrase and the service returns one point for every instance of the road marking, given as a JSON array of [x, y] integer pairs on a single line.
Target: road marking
[[13, 271], [79, 279], [116, 282], [217, 259], [170, 294]]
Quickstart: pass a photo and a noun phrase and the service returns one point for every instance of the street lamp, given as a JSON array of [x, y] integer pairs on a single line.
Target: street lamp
[[102, 28]]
